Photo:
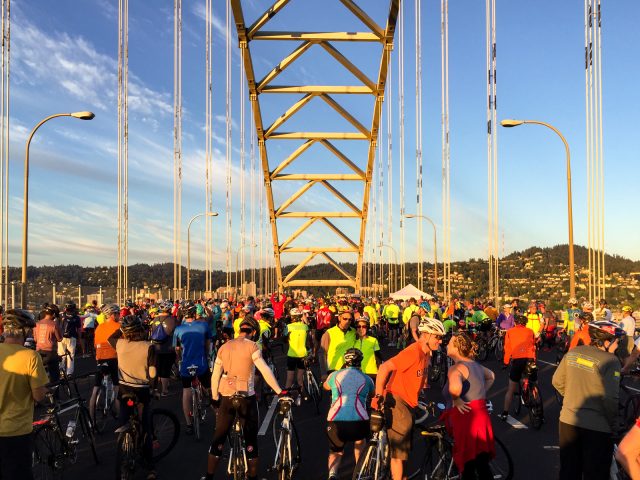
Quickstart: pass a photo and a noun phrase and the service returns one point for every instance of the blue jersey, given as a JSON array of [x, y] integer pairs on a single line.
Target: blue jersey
[[349, 391], [192, 337]]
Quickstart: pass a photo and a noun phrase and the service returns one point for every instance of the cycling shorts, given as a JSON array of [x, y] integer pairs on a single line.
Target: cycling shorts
[[112, 369], [399, 423], [205, 380], [294, 363], [518, 366], [248, 413], [340, 433], [164, 363]]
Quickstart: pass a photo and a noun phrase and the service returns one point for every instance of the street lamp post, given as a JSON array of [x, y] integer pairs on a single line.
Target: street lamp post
[[25, 217], [208, 214], [237, 255], [435, 248], [395, 262], [514, 123]]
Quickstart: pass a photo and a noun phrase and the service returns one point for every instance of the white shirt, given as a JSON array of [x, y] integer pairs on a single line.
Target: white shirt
[[628, 324]]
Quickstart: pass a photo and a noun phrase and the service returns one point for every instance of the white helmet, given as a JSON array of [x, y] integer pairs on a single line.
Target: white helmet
[[431, 325]]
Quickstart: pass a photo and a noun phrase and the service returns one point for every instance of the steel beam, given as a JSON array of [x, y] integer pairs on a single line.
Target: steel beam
[[317, 36]]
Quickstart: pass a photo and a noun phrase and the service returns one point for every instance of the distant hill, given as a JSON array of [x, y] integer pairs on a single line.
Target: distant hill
[[532, 273]]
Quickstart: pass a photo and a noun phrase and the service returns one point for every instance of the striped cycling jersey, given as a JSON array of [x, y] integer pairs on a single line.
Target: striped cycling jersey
[[349, 391]]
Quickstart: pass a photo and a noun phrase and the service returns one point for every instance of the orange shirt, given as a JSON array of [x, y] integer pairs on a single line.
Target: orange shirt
[[581, 337], [410, 374], [519, 342], [104, 351]]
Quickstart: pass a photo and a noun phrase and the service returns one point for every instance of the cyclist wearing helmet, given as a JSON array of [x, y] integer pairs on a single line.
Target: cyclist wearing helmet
[[47, 335], [70, 330], [234, 371], [347, 420], [570, 315], [369, 347], [105, 353], [136, 370], [163, 326], [191, 341], [22, 381], [400, 380], [297, 335], [581, 330], [589, 379], [335, 342], [519, 349]]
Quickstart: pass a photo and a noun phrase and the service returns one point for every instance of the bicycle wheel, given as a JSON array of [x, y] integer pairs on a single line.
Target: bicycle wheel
[[284, 462], [499, 350], [483, 351], [437, 463], [166, 431], [536, 411], [102, 410], [239, 465], [125, 456], [47, 457], [311, 385], [502, 464], [195, 412], [88, 431], [368, 464], [517, 401]]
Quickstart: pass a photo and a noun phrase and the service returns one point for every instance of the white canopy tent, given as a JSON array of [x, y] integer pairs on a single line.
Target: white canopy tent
[[408, 292]]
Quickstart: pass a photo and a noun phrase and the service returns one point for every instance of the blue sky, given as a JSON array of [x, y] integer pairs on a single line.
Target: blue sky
[[64, 58]]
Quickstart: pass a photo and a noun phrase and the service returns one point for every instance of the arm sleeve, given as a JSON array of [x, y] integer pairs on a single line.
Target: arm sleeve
[[267, 374], [215, 378]]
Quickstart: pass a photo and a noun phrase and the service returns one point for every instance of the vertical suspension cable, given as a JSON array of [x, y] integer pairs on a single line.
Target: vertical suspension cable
[[242, 176], [392, 283], [254, 189], [4, 153], [602, 278], [418, 117], [496, 257], [492, 150], [587, 92], [380, 219], [228, 144], [125, 171], [401, 140], [208, 250], [123, 148], [177, 147], [446, 194]]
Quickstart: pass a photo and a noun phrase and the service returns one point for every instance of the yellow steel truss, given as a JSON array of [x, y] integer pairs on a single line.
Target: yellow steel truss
[[257, 87]]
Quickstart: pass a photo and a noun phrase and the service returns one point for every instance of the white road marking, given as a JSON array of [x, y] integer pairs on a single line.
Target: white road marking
[[515, 423], [267, 418], [631, 388], [547, 363], [551, 447]]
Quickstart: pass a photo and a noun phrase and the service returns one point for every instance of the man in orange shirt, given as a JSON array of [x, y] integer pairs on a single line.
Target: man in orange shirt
[[105, 353], [581, 328], [401, 379], [520, 349]]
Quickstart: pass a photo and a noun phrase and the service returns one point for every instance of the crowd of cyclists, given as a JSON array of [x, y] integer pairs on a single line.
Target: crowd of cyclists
[[229, 345]]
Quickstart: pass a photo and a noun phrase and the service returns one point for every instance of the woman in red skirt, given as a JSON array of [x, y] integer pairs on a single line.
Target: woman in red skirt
[[466, 417]]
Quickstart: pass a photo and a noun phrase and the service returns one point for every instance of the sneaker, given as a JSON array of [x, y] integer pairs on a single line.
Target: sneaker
[[151, 475], [333, 476], [503, 416], [189, 430], [392, 344]]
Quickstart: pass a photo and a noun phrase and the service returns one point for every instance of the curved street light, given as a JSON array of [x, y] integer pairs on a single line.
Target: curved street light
[[25, 216], [509, 123], [208, 214]]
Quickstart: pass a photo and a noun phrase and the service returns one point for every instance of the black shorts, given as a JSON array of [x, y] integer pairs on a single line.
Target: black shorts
[[294, 363], [394, 326], [164, 362], [51, 361], [15, 457], [518, 366], [205, 380], [248, 413], [111, 368], [340, 433]]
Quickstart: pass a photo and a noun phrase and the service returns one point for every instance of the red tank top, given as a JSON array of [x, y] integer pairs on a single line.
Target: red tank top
[[45, 337]]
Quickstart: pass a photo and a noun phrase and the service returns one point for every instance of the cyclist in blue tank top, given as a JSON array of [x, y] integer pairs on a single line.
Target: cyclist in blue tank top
[[192, 339], [348, 420]]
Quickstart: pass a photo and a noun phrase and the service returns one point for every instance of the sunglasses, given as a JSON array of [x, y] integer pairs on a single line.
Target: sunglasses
[[346, 318], [362, 327]]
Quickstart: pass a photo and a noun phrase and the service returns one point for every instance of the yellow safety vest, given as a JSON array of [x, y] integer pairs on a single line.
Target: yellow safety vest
[[392, 311], [368, 346], [373, 315], [339, 343], [297, 333], [408, 313]]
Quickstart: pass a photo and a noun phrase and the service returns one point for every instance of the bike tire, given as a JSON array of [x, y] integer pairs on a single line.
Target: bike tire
[[88, 432], [239, 466], [126, 456], [284, 463], [166, 431], [536, 409], [101, 411], [313, 389], [499, 350], [502, 464], [47, 456], [195, 414], [437, 465], [366, 466], [483, 351]]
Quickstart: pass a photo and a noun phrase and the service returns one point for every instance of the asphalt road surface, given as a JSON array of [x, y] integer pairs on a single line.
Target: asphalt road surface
[[534, 452]]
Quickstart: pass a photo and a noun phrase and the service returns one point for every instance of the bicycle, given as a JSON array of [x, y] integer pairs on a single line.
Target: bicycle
[[496, 343], [438, 463], [267, 393], [54, 448], [105, 401], [311, 384], [562, 344], [237, 466], [165, 431], [439, 364], [529, 395], [374, 461], [198, 411], [287, 458]]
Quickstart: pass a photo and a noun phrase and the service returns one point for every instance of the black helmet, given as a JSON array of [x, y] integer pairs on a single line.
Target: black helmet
[[70, 307], [131, 324], [18, 318], [267, 313], [110, 309], [188, 309], [249, 322], [353, 358], [586, 317]]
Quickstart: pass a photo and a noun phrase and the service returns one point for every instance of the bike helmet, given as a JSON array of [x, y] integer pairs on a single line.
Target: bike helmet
[[188, 309], [165, 307], [603, 330], [294, 312], [131, 324], [110, 309], [18, 318], [353, 358], [431, 325], [521, 319], [586, 317], [124, 311], [267, 313], [573, 301], [48, 310], [249, 324], [70, 307]]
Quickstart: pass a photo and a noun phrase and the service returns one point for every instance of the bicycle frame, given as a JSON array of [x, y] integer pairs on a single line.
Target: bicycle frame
[[237, 439]]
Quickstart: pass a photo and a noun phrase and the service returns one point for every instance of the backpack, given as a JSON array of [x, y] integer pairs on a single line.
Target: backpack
[[323, 319], [158, 332]]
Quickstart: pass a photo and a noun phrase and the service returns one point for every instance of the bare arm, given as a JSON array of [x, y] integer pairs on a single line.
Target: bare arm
[[215, 378], [489, 378], [39, 393], [384, 373], [628, 452], [324, 348], [456, 377]]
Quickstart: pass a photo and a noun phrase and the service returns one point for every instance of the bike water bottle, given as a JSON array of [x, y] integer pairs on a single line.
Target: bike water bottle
[[71, 428]]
